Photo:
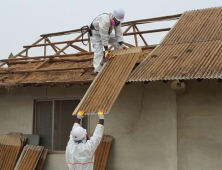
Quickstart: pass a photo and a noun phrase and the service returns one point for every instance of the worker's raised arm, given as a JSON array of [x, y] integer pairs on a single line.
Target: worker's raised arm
[[95, 140], [80, 115], [104, 26]]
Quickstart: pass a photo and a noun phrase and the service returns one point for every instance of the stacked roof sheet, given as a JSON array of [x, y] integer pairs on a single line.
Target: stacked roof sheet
[[42, 160], [13, 154], [102, 153], [107, 85], [10, 148], [191, 50], [29, 157]]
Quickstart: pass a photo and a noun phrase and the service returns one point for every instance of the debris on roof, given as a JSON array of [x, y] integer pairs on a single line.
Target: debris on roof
[[29, 157], [192, 49], [65, 72], [106, 87], [67, 63]]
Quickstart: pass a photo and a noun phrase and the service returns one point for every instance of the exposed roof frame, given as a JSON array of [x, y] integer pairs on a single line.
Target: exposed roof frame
[[23, 55]]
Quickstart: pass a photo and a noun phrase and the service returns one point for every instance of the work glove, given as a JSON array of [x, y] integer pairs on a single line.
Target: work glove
[[122, 45], [106, 53], [101, 114], [80, 114]]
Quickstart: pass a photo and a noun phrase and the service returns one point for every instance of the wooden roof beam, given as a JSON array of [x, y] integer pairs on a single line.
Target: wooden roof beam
[[149, 20], [163, 18], [125, 34], [49, 56], [46, 70], [62, 42], [67, 55], [146, 32]]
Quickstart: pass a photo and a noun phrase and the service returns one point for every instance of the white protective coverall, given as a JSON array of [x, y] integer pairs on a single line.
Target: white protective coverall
[[81, 156], [102, 36]]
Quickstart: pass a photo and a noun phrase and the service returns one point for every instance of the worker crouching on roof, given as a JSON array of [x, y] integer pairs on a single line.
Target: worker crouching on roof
[[101, 35], [80, 149]]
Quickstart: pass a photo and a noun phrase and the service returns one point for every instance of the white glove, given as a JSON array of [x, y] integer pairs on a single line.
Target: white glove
[[124, 47], [80, 114], [101, 114]]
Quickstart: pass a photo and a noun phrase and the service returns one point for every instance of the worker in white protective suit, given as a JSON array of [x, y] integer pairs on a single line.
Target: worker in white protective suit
[[101, 35], [81, 149]]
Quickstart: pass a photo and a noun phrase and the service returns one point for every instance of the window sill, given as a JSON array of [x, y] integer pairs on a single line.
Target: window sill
[[56, 152]]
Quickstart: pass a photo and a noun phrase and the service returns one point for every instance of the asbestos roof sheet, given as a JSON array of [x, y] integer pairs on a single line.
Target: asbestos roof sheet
[[191, 50], [10, 148], [107, 85]]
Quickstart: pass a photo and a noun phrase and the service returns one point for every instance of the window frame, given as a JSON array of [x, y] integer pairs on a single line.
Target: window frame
[[53, 115]]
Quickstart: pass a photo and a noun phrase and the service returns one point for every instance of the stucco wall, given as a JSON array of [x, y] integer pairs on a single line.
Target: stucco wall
[[16, 107], [142, 121], [200, 126]]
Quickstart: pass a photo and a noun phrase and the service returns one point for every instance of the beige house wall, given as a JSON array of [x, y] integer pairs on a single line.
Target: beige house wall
[[143, 122], [200, 126]]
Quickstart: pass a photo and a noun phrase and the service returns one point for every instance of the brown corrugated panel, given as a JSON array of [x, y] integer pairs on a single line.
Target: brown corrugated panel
[[42, 160], [191, 50], [107, 85], [102, 153], [29, 157], [10, 148]]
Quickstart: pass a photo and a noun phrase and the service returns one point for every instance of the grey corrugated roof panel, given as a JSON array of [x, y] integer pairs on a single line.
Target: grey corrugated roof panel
[[106, 87], [191, 50]]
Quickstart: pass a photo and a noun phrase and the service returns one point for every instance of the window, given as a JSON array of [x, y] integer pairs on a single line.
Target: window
[[54, 121]]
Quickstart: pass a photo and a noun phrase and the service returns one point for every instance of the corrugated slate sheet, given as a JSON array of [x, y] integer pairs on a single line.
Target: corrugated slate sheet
[[107, 85], [102, 153], [10, 148], [191, 50], [29, 157]]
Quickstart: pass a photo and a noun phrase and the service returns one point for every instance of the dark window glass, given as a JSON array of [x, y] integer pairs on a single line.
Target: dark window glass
[[44, 123], [54, 124]]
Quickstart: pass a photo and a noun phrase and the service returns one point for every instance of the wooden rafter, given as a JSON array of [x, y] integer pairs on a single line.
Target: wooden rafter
[[141, 36], [46, 70], [135, 36], [54, 43], [45, 48], [64, 48], [146, 32], [78, 48], [128, 29], [142, 21], [54, 60], [25, 50], [53, 46], [59, 49]]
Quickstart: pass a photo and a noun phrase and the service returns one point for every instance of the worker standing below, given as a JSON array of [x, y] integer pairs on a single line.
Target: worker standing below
[[81, 149], [101, 35]]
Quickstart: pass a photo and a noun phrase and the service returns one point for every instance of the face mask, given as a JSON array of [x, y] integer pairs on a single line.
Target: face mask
[[115, 23]]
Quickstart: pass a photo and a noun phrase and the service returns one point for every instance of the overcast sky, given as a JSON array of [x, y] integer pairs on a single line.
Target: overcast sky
[[23, 21]]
